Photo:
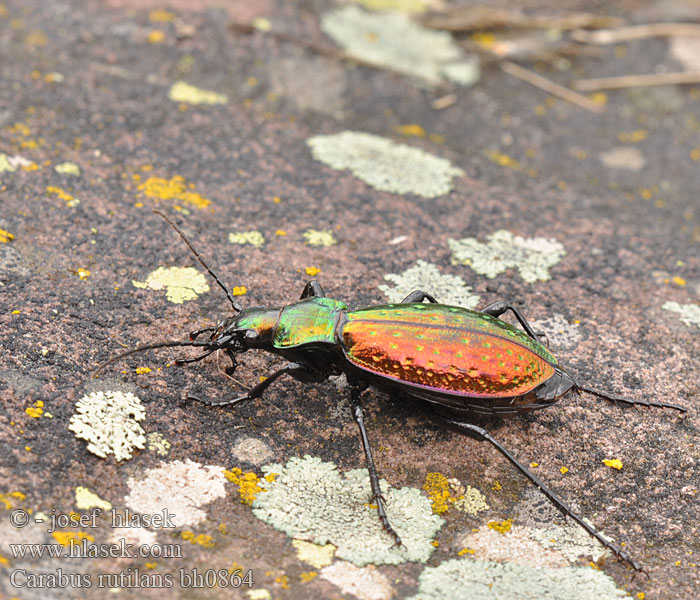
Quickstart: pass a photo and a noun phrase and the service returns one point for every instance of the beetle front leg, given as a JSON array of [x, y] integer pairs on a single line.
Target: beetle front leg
[[294, 369], [377, 497], [496, 309], [481, 434], [418, 296]]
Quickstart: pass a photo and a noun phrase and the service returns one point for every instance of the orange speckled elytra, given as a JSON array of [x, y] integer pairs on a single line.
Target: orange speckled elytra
[[462, 363]]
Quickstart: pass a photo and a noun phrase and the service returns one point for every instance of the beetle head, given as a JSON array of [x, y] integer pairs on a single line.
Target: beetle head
[[251, 328]]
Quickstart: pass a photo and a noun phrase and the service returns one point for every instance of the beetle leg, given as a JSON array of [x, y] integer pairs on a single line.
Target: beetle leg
[[182, 361], [377, 497], [418, 296], [195, 334], [234, 363], [498, 308], [630, 400], [481, 434], [312, 289]]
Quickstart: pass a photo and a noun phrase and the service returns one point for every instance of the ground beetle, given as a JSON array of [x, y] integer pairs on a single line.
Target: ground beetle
[[462, 363]]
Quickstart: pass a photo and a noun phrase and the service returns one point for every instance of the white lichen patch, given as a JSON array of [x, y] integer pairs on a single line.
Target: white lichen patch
[[472, 502], [313, 554], [532, 257], [407, 6], [252, 450], [394, 41], [68, 168], [467, 579], [319, 237], [689, 313], [189, 94], [180, 488], [624, 157], [686, 50], [560, 334], [385, 165], [157, 443], [365, 583], [138, 536], [445, 288], [309, 499], [181, 283], [254, 238], [85, 500], [109, 423]]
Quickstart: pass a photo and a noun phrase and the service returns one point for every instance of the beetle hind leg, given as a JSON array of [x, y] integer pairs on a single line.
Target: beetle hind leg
[[418, 296], [496, 309], [377, 497], [481, 434]]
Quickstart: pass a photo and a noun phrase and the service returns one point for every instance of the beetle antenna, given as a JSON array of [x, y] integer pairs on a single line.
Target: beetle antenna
[[168, 344], [236, 306], [629, 400]]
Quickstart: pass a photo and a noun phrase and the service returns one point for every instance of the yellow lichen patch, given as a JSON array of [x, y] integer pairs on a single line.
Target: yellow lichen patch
[[182, 283], [254, 238], [472, 502], [161, 16], [83, 273], [504, 160], [68, 538], [464, 551], [247, 483], [283, 581], [679, 281], [240, 290], [142, 370], [189, 94], [534, 465], [280, 232], [312, 271], [157, 443], [11, 500], [614, 463], [156, 36], [313, 554], [5, 236], [501, 526], [85, 499], [638, 135], [202, 539], [412, 129], [63, 195], [175, 188], [35, 411], [496, 486], [405, 6], [67, 168], [437, 487], [315, 237], [563, 470], [307, 576]]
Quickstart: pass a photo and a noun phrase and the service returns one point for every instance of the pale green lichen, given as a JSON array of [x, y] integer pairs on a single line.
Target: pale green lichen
[[689, 313], [157, 443], [181, 283], [313, 554], [319, 237], [468, 579], [6, 163], [189, 94], [533, 257], [385, 165], [109, 423], [472, 502], [407, 6], [178, 487], [445, 288], [254, 238], [364, 583], [85, 500], [67, 168], [311, 500], [394, 41]]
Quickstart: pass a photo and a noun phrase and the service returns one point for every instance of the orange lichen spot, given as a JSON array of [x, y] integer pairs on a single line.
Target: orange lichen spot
[[83, 273], [307, 576], [283, 581], [641, 595], [31, 145], [161, 16], [280, 232], [695, 154], [677, 280], [247, 483], [497, 486], [638, 135], [503, 160], [435, 543], [142, 370], [437, 487], [412, 129], [563, 470], [35, 411], [614, 463], [11, 499], [240, 290], [70, 538], [277, 199], [312, 271], [175, 188], [464, 551], [594, 566], [63, 195], [599, 98], [501, 526], [6, 236], [151, 565], [201, 540], [534, 465]]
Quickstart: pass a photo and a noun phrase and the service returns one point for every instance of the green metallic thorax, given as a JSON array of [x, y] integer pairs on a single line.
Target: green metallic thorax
[[312, 320]]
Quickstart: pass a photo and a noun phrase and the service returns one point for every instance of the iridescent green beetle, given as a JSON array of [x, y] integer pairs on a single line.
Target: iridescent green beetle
[[463, 363]]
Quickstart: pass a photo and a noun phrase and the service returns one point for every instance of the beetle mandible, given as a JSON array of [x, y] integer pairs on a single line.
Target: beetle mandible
[[462, 363]]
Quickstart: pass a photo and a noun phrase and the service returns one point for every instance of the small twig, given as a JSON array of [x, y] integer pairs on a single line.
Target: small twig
[[628, 81], [635, 32], [551, 87]]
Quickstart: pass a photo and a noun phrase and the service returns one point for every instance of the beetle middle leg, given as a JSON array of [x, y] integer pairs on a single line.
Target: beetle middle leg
[[481, 434], [312, 289], [496, 309], [377, 498], [418, 296]]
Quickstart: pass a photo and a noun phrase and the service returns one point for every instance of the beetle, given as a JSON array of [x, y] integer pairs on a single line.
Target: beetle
[[464, 364]]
